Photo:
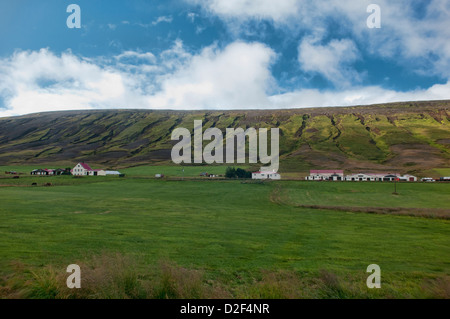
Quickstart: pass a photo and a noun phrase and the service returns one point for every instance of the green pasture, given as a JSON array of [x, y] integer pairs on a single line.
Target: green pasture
[[229, 229]]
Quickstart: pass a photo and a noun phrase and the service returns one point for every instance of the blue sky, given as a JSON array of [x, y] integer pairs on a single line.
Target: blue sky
[[220, 54]]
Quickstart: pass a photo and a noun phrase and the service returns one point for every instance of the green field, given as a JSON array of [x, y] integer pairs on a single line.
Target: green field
[[246, 239]]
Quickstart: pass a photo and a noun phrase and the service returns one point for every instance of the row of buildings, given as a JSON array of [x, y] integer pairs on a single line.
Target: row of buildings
[[81, 169], [47, 171], [338, 175], [266, 175]]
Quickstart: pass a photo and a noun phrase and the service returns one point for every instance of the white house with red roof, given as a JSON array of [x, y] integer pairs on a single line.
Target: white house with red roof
[[81, 169]]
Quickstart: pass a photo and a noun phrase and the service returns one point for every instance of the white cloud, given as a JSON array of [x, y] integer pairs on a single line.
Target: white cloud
[[357, 96], [237, 76], [192, 16], [416, 38], [332, 60], [167, 19], [33, 81], [265, 9], [147, 56]]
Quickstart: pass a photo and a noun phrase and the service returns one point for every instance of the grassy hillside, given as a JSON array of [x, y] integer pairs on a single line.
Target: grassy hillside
[[409, 137]]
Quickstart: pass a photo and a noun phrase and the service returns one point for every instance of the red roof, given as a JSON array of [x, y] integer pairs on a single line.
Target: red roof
[[86, 166], [326, 171]]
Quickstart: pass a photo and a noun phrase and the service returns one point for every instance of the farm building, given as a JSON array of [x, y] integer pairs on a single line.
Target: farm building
[[83, 169], [360, 177], [112, 173], [338, 175], [408, 178], [390, 178], [379, 177], [325, 175], [61, 171], [363, 177], [265, 175], [48, 172], [97, 172], [40, 171]]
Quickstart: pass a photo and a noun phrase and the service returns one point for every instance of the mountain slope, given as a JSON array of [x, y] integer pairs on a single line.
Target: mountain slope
[[412, 136]]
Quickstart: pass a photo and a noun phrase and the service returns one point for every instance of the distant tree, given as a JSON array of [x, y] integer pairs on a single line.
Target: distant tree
[[230, 172], [241, 173]]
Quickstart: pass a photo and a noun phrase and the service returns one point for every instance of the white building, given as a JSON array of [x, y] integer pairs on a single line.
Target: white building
[[112, 173], [81, 169], [365, 177], [408, 178], [380, 177], [265, 175], [325, 175]]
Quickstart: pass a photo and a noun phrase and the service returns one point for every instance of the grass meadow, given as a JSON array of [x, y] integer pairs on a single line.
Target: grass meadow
[[141, 237]]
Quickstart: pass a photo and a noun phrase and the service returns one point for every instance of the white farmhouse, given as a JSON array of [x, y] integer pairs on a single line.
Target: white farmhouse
[[81, 169]]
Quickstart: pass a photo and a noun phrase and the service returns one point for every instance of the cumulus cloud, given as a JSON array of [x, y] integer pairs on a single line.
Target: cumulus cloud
[[234, 77], [332, 60], [32, 81], [408, 36], [237, 76]]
